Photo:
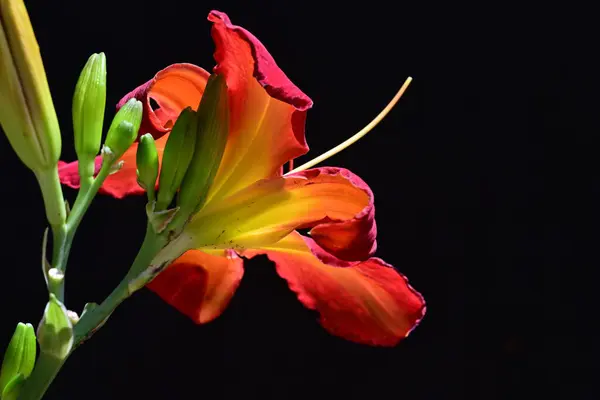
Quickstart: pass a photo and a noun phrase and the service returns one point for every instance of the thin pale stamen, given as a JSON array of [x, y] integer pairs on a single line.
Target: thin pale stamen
[[350, 141]]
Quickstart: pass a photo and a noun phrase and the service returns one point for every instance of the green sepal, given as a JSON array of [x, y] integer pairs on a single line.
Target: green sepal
[[45, 263], [55, 332], [211, 137], [160, 219], [90, 308], [116, 167], [146, 160], [20, 355], [89, 102], [12, 388], [177, 156], [124, 128]]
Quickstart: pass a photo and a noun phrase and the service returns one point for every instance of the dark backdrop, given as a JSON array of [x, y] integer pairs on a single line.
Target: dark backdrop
[[485, 182]]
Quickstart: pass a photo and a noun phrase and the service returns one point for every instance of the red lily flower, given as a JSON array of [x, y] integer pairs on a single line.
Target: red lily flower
[[253, 209]]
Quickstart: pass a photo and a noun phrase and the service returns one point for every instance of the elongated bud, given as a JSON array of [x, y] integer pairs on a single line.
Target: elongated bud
[[27, 113], [124, 128], [176, 157], [19, 358], [55, 332], [13, 388], [89, 102], [211, 136], [147, 164]]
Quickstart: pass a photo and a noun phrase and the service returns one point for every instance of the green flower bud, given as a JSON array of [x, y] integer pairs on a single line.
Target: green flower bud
[[124, 128], [19, 358], [146, 159], [13, 388], [55, 333], [176, 157], [88, 112], [27, 113], [212, 131]]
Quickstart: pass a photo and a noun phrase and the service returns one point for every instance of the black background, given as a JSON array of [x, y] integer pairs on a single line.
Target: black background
[[485, 182]]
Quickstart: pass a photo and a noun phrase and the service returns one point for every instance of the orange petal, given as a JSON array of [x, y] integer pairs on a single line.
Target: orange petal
[[267, 110], [174, 88], [265, 212], [200, 285], [367, 302]]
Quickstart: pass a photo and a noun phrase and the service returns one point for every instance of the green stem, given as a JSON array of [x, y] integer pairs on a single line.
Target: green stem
[[64, 234], [54, 201], [46, 369], [92, 321]]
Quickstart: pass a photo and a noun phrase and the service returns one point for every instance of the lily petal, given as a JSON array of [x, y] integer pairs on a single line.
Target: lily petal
[[337, 203], [267, 110], [120, 184], [367, 302], [199, 284], [174, 88]]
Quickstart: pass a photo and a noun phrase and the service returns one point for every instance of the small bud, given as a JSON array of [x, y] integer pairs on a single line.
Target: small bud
[[55, 332], [147, 164], [212, 131], [73, 317], [176, 157], [89, 102], [19, 358], [124, 128], [27, 113]]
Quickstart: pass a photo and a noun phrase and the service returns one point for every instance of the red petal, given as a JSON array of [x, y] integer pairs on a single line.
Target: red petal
[[367, 302], [352, 239], [69, 172], [266, 71], [118, 185], [267, 110], [174, 88], [200, 285]]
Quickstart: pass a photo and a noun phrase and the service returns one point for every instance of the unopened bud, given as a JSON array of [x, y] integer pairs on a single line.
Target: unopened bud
[[88, 112], [147, 164], [211, 137], [176, 157], [55, 332], [27, 113], [124, 128], [19, 358]]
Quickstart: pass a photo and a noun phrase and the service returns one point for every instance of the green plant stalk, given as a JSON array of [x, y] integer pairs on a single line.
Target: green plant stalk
[[46, 370], [56, 214], [63, 232], [91, 322], [63, 236], [54, 201]]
